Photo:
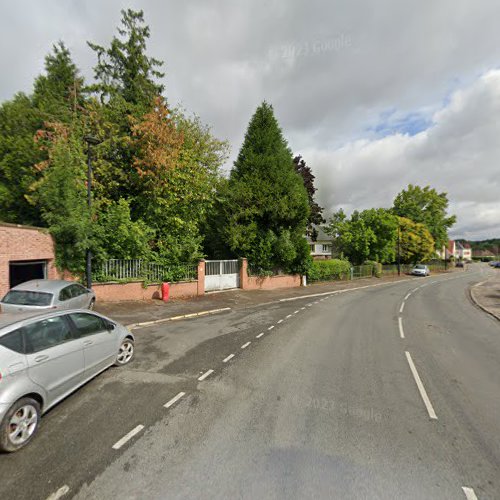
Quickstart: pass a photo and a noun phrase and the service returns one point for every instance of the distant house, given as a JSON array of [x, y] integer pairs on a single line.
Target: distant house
[[321, 249], [456, 250], [463, 251]]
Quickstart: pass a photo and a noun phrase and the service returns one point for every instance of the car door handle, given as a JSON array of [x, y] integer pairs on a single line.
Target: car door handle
[[41, 358], [88, 342]]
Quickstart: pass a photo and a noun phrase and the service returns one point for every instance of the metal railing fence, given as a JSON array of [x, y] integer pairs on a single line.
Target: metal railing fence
[[139, 269]]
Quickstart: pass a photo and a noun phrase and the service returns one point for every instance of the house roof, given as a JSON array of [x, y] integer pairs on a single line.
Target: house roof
[[322, 236]]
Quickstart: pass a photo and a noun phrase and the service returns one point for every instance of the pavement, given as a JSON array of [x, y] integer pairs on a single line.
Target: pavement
[[138, 312], [486, 294]]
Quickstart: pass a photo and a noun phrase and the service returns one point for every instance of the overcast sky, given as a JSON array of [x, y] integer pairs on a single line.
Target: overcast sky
[[374, 95]]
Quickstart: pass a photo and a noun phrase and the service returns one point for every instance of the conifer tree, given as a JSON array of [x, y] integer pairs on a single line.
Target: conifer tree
[[266, 204]]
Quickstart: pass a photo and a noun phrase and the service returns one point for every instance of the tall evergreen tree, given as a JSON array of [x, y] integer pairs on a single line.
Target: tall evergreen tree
[[56, 98], [266, 205], [316, 212], [123, 68]]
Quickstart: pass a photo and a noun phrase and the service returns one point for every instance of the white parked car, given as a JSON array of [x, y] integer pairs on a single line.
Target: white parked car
[[420, 270]]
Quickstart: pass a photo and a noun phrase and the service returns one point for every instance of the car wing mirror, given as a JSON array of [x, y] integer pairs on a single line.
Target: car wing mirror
[[110, 327]]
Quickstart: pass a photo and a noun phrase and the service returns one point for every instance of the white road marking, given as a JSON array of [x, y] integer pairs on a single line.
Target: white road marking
[[421, 388], [402, 307], [174, 399], [127, 437], [289, 316], [401, 331], [225, 360], [271, 327], [59, 493], [205, 375], [280, 321], [245, 345], [309, 305], [295, 312], [469, 493], [260, 335], [407, 296], [302, 308]]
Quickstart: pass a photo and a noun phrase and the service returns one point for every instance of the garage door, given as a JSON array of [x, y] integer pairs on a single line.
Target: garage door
[[21, 271]]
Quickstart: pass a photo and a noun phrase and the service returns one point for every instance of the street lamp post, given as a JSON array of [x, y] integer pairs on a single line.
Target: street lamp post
[[91, 141]]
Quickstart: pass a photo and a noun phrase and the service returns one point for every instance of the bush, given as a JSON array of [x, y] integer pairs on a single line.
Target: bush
[[377, 267], [334, 269]]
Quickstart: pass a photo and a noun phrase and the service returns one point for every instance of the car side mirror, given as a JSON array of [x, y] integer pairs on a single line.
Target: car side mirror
[[110, 327]]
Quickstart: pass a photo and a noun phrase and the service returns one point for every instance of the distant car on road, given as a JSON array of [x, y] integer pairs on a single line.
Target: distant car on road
[[496, 264], [42, 295], [43, 358], [420, 270], [459, 264]]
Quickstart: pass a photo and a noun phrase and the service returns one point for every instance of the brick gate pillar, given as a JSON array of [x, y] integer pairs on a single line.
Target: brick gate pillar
[[201, 277], [243, 273]]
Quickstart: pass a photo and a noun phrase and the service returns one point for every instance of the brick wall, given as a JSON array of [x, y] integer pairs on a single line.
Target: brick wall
[[120, 292], [24, 243], [266, 282]]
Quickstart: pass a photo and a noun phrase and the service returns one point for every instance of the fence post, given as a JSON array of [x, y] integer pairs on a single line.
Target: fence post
[[243, 273], [201, 277]]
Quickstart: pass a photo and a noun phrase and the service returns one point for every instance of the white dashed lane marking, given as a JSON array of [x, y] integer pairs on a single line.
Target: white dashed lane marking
[[127, 437], [271, 327], [205, 375], [402, 307], [421, 388], [245, 345], [401, 331], [469, 493], [59, 493], [260, 335], [225, 360], [174, 400], [280, 321], [289, 316]]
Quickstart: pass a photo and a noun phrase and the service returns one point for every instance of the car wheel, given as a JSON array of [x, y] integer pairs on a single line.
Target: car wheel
[[92, 304], [125, 353], [19, 425]]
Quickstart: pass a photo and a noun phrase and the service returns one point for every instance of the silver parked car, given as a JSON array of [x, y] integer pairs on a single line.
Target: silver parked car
[[41, 295], [420, 270], [43, 358]]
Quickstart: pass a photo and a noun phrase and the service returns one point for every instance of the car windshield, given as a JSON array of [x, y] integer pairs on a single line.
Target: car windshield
[[28, 298], [419, 266]]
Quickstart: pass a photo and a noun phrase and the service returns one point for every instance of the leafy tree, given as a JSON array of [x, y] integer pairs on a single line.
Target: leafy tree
[[123, 69], [177, 167], [316, 212], [428, 207], [367, 235], [416, 242], [119, 237], [266, 206], [57, 95], [62, 197]]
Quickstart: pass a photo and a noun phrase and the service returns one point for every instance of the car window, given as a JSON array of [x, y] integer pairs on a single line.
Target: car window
[[77, 290], [13, 341], [65, 293], [28, 298], [87, 324], [46, 333]]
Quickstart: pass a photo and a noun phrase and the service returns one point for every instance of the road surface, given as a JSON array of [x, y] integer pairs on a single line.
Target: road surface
[[383, 392]]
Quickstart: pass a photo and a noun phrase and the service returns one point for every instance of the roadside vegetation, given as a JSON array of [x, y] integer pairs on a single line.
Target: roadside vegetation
[[159, 194]]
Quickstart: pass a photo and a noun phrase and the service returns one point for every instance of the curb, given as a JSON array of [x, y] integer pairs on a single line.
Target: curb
[[478, 304], [176, 318]]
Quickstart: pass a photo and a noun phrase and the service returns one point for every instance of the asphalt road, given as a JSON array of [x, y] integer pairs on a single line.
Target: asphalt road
[[323, 405]]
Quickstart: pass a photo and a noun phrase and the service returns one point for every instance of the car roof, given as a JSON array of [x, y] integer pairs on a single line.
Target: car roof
[[9, 319], [49, 286]]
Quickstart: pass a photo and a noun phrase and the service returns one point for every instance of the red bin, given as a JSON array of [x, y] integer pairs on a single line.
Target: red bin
[[165, 291]]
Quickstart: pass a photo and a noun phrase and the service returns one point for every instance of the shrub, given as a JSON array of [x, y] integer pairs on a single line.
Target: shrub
[[334, 269], [377, 267]]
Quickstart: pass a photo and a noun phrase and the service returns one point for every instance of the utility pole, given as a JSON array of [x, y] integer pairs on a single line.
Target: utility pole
[[91, 141], [399, 250]]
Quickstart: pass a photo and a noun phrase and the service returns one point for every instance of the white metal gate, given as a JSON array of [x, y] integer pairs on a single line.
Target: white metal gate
[[221, 274]]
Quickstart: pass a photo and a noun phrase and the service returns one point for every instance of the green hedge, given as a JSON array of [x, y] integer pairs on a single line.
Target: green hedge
[[334, 269]]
